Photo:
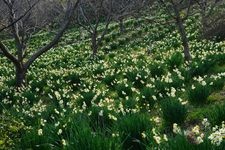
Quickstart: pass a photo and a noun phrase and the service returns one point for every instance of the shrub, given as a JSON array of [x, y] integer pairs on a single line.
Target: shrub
[[86, 97], [109, 79], [124, 90], [146, 97], [100, 121], [73, 79], [137, 78], [130, 103], [32, 139], [173, 112], [201, 68], [81, 137], [217, 114], [113, 46], [157, 70], [99, 70], [176, 60], [218, 84], [131, 128], [198, 94]]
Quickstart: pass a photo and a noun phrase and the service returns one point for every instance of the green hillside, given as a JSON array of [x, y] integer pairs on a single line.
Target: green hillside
[[138, 93]]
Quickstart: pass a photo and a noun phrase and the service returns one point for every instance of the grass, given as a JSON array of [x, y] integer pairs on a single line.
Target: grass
[[122, 99]]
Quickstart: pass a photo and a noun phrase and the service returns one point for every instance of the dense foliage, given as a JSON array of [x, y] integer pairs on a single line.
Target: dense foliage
[[127, 98]]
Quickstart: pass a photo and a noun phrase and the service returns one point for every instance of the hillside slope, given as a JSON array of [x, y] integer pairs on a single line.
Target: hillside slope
[[135, 95]]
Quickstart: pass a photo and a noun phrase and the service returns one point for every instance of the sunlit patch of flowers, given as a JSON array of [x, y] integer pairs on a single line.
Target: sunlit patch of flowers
[[114, 85], [218, 135]]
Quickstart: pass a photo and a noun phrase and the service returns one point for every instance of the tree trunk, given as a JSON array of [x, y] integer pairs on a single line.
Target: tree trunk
[[184, 39], [122, 27], [94, 45], [20, 76]]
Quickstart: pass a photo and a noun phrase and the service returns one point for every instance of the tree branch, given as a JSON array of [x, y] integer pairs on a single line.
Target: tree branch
[[65, 24]]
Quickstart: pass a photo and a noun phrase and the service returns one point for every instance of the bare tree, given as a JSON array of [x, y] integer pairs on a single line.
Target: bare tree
[[212, 16], [20, 36], [179, 10], [91, 13], [126, 8]]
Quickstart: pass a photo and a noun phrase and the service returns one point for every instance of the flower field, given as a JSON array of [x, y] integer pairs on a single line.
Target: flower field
[[139, 93]]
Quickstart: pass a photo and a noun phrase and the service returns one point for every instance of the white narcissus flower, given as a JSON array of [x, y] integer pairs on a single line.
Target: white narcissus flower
[[143, 135], [40, 132], [205, 123], [59, 132], [203, 83], [157, 139], [196, 130], [165, 137], [154, 97], [63, 142], [100, 113], [176, 129]]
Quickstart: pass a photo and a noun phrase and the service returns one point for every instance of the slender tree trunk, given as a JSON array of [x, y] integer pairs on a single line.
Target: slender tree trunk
[[20, 76], [184, 39], [204, 23], [122, 27], [94, 44]]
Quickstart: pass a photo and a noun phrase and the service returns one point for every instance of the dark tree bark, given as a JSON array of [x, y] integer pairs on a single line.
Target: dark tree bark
[[90, 14], [20, 76], [21, 66], [94, 45], [177, 7], [122, 27], [184, 39]]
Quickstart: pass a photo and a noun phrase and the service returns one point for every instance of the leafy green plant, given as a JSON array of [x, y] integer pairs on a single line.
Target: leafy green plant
[[10, 130], [176, 60], [198, 94], [74, 79], [99, 118], [216, 114], [86, 97], [124, 90], [131, 128], [157, 70], [81, 137], [173, 112], [146, 97]]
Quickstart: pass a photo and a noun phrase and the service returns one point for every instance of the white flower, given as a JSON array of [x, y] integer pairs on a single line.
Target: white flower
[[58, 96], [123, 93], [100, 113], [196, 130], [157, 139], [154, 97], [176, 129], [203, 83], [112, 117], [143, 135], [63, 142], [115, 134], [40, 132], [165, 137], [205, 123], [59, 132], [218, 135], [156, 119], [199, 140]]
